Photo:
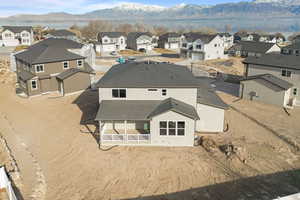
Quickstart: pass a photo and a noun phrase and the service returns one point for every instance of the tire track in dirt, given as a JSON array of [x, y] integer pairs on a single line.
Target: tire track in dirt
[[40, 188]]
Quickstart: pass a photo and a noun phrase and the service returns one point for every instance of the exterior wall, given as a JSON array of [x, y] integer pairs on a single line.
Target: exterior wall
[[294, 79], [32, 92], [120, 125], [274, 48], [211, 119], [55, 67], [9, 40], [113, 44], [215, 49], [77, 82], [186, 140], [263, 93], [187, 95]]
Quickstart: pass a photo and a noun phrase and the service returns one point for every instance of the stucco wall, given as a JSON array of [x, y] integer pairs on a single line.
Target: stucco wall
[[77, 82], [211, 119], [187, 140], [187, 95]]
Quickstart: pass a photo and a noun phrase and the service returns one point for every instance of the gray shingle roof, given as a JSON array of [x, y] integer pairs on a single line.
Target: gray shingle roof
[[144, 75], [131, 37], [59, 42], [49, 50], [177, 106], [170, 35], [25, 75], [62, 33], [141, 110], [295, 45], [208, 96], [17, 29], [110, 34], [276, 60], [191, 37], [70, 72], [270, 81], [258, 47]]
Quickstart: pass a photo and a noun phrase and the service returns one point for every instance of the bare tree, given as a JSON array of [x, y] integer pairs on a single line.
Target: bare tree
[[94, 27], [160, 30], [207, 30], [126, 28], [140, 27]]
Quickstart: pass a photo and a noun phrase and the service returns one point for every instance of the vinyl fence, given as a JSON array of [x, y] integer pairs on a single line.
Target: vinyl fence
[[6, 184]]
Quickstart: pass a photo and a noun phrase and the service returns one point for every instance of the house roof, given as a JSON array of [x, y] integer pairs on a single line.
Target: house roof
[[59, 42], [208, 96], [174, 105], [224, 34], [134, 35], [252, 46], [143, 110], [170, 34], [17, 29], [62, 33], [206, 38], [49, 50], [270, 81], [111, 34], [295, 45], [148, 75], [25, 75], [275, 60], [70, 72]]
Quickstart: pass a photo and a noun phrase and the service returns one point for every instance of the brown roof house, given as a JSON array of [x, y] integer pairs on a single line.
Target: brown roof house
[[51, 66]]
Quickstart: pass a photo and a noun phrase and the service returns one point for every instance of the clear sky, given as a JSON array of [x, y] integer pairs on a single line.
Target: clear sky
[[12, 7]]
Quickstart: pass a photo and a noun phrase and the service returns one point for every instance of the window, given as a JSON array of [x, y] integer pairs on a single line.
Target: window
[[33, 84], [79, 63], [295, 91], [184, 45], [119, 93], [172, 128], [216, 45], [198, 46], [66, 65], [24, 35], [105, 40], [286, 73], [152, 90], [164, 92], [39, 68]]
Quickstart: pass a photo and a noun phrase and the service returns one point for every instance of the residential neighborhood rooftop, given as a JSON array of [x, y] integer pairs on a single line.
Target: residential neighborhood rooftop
[[62, 32], [208, 96], [111, 34], [206, 38], [17, 29], [252, 46]]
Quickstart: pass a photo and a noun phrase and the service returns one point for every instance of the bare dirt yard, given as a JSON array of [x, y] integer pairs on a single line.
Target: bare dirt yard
[[53, 143]]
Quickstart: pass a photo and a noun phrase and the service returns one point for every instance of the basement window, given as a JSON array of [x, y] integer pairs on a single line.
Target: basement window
[[33, 84], [286, 73], [119, 93]]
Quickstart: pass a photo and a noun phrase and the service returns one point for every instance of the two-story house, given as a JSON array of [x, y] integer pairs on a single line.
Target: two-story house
[[252, 48], [270, 38], [16, 35], [141, 41], [52, 66], [62, 34], [273, 79], [243, 36], [197, 46], [111, 41], [292, 49], [227, 39], [151, 103], [169, 41]]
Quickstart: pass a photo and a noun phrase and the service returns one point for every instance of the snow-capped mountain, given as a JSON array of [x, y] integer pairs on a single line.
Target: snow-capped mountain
[[280, 2], [140, 7]]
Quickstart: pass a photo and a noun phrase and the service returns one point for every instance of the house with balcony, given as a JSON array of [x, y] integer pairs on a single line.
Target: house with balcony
[[169, 41], [158, 104], [197, 46], [273, 79], [16, 35], [53, 65], [141, 41], [110, 41]]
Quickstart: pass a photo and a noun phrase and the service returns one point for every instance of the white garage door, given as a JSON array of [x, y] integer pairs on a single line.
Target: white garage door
[[174, 46], [197, 56]]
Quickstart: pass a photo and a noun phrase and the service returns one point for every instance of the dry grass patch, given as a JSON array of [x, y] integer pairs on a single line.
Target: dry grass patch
[[129, 52], [20, 48], [164, 51]]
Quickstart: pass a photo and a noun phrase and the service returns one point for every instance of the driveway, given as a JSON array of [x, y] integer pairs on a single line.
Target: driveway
[[6, 51]]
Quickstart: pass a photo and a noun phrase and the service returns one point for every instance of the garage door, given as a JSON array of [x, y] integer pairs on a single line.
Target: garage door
[[197, 56], [174, 46]]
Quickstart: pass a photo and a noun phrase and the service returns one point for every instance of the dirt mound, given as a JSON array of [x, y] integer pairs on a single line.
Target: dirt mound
[[6, 76]]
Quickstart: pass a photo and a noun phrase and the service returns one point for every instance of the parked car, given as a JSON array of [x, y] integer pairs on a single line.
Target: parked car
[[113, 53]]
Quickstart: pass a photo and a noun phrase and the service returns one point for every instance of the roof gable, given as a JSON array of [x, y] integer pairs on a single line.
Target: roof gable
[[17, 29]]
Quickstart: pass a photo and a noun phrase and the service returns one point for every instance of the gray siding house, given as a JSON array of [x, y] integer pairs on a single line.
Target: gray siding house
[[51, 66], [160, 104], [285, 74], [169, 41]]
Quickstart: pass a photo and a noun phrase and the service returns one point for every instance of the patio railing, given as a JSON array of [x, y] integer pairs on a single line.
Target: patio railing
[[126, 138]]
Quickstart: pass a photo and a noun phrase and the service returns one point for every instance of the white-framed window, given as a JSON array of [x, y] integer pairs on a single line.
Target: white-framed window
[[66, 65], [33, 84], [119, 93], [39, 68], [172, 128], [198, 46], [286, 73], [79, 63], [164, 92], [152, 90], [295, 91]]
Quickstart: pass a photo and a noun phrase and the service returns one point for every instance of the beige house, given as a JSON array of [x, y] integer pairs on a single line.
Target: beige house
[[160, 104], [283, 72], [49, 66]]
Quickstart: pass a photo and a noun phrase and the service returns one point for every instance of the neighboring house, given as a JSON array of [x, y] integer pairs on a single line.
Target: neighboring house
[[160, 104], [198, 46], [227, 39], [250, 48], [284, 67], [140, 41], [270, 38], [169, 41], [111, 41], [50, 66], [296, 39], [16, 35], [243, 36], [293, 49], [62, 34]]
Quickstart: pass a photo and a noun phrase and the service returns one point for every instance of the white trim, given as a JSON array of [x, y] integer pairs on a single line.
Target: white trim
[[36, 84], [52, 75], [64, 64], [37, 66], [176, 128]]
